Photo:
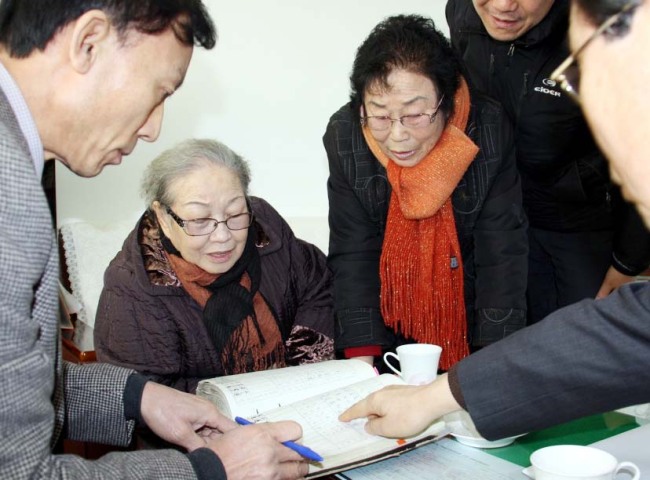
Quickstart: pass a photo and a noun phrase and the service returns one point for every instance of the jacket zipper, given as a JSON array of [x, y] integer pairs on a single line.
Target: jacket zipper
[[524, 93]]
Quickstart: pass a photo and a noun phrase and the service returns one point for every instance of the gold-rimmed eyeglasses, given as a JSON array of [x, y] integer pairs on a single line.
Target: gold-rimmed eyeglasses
[[567, 75], [382, 123]]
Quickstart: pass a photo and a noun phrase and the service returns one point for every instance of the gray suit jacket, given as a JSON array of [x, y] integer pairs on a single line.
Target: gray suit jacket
[[39, 393], [587, 358]]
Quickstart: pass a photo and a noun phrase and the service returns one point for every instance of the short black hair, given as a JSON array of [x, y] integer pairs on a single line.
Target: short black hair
[[408, 42], [27, 25]]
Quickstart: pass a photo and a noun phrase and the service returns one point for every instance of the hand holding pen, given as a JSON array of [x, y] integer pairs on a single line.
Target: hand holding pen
[[306, 452], [257, 451]]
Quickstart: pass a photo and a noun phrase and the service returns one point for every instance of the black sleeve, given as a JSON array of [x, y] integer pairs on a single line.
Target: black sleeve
[[133, 397], [451, 16], [207, 464], [355, 240]]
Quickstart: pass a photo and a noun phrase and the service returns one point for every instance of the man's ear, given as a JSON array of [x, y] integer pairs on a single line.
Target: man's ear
[[89, 31]]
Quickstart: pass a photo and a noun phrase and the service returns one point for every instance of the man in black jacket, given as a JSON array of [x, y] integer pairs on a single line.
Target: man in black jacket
[[584, 239]]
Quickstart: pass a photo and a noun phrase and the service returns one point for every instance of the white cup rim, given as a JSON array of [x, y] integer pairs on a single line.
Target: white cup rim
[[542, 463], [419, 348]]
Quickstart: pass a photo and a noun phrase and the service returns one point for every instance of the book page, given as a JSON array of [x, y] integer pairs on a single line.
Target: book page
[[444, 460], [250, 394], [337, 442]]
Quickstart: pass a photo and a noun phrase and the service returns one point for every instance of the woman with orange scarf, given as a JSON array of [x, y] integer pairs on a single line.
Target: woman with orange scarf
[[427, 230]]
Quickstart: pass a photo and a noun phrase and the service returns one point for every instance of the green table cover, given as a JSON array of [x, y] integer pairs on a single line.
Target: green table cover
[[583, 431]]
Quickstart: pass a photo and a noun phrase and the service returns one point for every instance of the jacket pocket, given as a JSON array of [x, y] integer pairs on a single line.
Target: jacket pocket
[[585, 180]]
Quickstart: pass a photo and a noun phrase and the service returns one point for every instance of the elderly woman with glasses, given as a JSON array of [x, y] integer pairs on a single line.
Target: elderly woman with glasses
[[590, 357], [427, 239], [211, 281]]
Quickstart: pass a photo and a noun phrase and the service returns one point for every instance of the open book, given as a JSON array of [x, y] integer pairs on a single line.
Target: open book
[[314, 395]]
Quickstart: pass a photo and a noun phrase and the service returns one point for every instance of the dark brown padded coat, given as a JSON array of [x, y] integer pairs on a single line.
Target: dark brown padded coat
[[159, 331]]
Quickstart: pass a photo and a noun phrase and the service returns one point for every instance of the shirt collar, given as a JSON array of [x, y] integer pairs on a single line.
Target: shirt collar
[[24, 118]]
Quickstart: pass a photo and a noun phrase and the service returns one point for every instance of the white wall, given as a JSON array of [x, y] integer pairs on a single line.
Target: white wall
[[279, 70]]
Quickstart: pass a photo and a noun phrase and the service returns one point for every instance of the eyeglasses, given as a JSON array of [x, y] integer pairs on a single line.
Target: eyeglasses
[[205, 226], [382, 122], [567, 75]]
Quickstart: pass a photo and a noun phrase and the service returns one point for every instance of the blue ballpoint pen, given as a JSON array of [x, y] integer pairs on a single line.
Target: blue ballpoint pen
[[306, 452]]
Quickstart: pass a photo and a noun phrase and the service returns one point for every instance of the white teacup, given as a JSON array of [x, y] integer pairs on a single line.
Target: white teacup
[[574, 462], [418, 362]]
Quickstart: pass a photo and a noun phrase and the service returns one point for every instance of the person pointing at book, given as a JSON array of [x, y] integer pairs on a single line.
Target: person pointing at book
[[81, 81], [590, 357]]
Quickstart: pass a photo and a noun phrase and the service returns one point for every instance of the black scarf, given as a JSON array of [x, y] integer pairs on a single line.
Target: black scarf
[[230, 303]]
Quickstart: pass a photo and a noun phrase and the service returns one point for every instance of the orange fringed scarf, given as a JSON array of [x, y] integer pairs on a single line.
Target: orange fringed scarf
[[421, 267]]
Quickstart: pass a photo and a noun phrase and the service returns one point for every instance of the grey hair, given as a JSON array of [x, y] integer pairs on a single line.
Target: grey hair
[[184, 158]]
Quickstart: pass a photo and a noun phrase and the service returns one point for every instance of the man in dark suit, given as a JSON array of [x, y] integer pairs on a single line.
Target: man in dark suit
[[82, 81], [590, 357]]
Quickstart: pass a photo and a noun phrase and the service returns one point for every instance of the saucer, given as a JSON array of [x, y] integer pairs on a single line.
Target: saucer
[[462, 429], [480, 442]]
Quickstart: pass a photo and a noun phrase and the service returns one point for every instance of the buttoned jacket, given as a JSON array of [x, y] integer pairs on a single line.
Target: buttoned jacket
[[490, 224]]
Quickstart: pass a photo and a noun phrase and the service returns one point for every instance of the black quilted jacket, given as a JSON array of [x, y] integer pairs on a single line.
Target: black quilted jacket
[[490, 222]]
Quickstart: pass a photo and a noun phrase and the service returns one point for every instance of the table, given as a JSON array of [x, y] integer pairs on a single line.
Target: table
[[448, 459], [583, 431], [632, 446], [78, 347]]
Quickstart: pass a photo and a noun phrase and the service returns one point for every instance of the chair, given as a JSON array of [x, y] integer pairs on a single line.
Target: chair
[[88, 249]]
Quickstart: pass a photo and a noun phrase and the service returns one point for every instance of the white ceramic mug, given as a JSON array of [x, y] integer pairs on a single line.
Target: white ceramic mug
[[418, 362], [575, 462]]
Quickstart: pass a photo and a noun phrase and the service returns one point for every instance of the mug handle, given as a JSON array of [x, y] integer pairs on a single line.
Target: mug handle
[[387, 355], [630, 468]]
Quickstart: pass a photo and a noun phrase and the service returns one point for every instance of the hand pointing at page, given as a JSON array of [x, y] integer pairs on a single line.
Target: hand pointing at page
[[403, 411]]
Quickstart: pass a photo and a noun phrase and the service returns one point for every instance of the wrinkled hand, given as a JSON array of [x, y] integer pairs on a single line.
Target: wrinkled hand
[[613, 280], [403, 411], [255, 452], [181, 418]]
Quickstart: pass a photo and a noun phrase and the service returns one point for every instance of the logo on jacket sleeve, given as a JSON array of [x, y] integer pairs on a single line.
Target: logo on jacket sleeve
[[547, 85]]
